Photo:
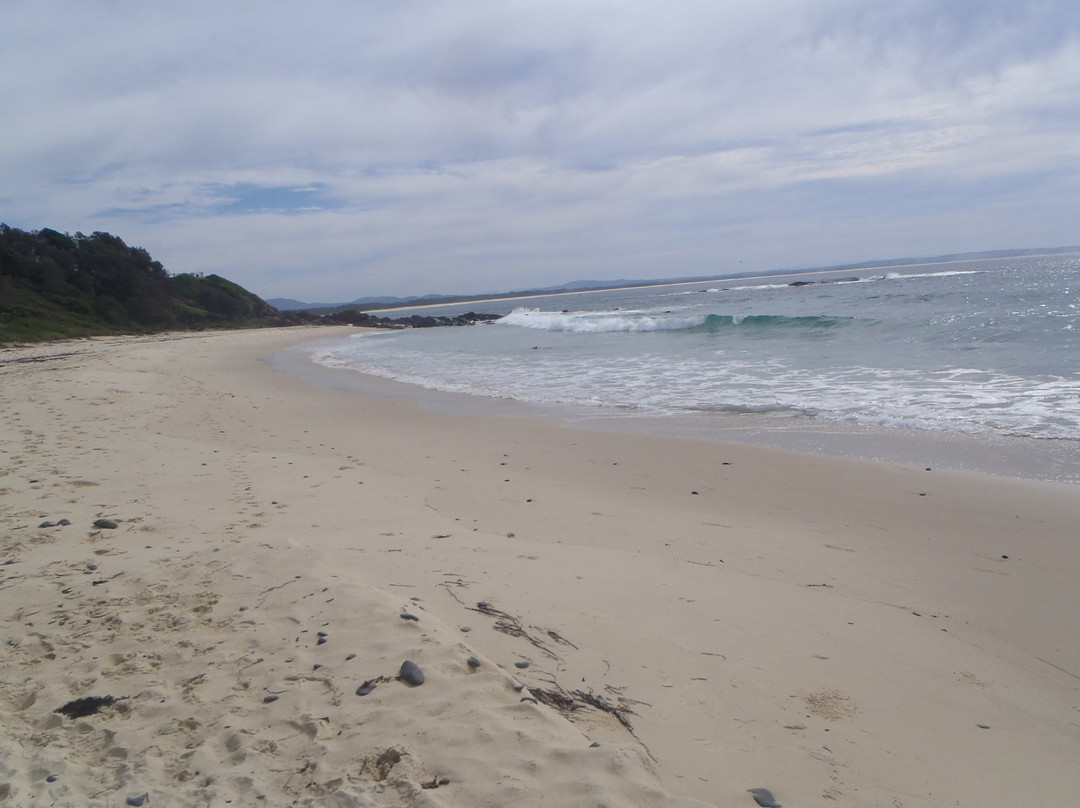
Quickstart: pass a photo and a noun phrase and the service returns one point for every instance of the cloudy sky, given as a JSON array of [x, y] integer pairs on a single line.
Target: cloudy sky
[[331, 149]]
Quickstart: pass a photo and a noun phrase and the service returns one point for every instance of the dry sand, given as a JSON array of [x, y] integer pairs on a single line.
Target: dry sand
[[715, 617]]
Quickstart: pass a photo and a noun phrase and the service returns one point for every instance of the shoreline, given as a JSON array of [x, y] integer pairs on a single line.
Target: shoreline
[[828, 628], [1045, 460]]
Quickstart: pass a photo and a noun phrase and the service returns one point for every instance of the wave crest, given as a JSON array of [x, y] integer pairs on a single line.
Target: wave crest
[[596, 322]]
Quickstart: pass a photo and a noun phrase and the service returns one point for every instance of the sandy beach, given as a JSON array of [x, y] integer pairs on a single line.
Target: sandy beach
[[601, 619]]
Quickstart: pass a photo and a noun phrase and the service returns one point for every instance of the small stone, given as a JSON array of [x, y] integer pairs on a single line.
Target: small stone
[[47, 524], [473, 662], [983, 726], [483, 605], [350, 656], [529, 699], [243, 608], [518, 687], [521, 664], [411, 674], [764, 798], [316, 666], [138, 799], [407, 616], [64, 522], [270, 698], [594, 745], [91, 566], [323, 634], [365, 688], [52, 778], [320, 641], [106, 524]]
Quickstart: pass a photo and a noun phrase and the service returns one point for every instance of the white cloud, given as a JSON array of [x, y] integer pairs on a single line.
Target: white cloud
[[492, 145]]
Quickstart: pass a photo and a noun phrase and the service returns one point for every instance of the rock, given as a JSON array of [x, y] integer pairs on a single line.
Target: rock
[[64, 522], [52, 778], [270, 698], [106, 524], [320, 641], [473, 662], [138, 799], [764, 798], [466, 629], [407, 616], [350, 656], [521, 664], [411, 674], [365, 688], [47, 524]]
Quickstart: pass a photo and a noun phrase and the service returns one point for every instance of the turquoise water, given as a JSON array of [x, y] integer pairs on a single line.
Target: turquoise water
[[982, 347]]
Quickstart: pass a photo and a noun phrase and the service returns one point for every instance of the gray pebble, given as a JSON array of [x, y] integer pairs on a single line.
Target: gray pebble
[[983, 726], [764, 798], [482, 604], [473, 662], [411, 674], [322, 634], [52, 778], [270, 698], [594, 745], [138, 799], [530, 699], [47, 524], [466, 629], [522, 664], [350, 656], [407, 616], [320, 641], [106, 524], [64, 522], [365, 688]]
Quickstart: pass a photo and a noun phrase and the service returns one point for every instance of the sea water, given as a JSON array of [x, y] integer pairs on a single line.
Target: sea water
[[987, 349]]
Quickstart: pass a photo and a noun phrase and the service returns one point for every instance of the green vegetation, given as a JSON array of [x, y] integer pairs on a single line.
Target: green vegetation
[[54, 285]]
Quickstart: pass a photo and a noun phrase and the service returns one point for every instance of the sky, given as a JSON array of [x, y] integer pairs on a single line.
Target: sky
[[335, 149]]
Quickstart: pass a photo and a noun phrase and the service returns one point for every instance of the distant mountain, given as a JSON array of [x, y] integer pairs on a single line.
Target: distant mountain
[[389, 302]]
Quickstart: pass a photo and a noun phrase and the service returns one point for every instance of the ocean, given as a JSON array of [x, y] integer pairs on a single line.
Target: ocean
[[974, 364]]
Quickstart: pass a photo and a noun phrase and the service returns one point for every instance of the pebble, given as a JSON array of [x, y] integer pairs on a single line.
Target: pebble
[[473, 662], [407, 616], [522, 664], [316, 666], [350, 656], [320, 641], [64, 522], [52, 778], [466, 629], [270, 698], [106, 524], [530, 699], [983, 726], [482, 604], [47, 524], [138, 799], [411, 674], [594, 745], [764, 798], [323, 634], [365, 688]]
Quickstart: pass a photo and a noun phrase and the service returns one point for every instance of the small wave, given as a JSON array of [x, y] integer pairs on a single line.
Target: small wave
[[595, 322]]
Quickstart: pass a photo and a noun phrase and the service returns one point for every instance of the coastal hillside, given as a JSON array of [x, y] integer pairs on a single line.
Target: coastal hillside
[[55, 285]]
